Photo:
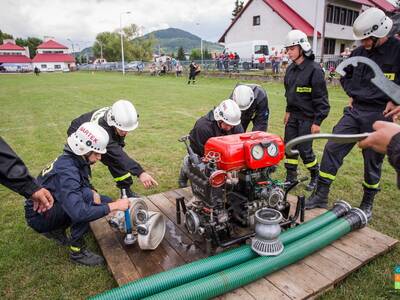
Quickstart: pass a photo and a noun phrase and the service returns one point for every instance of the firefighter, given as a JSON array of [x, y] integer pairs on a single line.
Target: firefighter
[[386, 140], [222, 120], [15, 175], [76, 202], [307, 103], [253, 102], [367, 104], [118, 120]]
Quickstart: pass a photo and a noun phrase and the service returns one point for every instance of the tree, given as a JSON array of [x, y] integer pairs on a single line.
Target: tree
[[181, 54], [31, 42], [207, 54], [4, 36], [238, 8], [195, 54]]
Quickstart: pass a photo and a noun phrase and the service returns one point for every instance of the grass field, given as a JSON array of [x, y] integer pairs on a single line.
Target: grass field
[[36, 112]]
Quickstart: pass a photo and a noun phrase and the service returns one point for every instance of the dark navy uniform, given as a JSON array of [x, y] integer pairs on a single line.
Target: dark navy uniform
[[258, 112], [67, 179], [307, 102], [13, 172], [207, 127], [369, 102], [120, 165], [393, 152]]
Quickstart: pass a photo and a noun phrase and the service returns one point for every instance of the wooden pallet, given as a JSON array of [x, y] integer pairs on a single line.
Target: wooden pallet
[[319, 271]]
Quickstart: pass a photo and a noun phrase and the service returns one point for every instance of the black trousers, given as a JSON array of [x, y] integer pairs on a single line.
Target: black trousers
[[297, 127], [353, 121], [56, 218], [192, 76]]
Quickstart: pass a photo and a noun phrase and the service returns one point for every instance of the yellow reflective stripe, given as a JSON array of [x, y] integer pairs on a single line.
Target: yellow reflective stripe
[[292, 161], [123, 177], [390, 76], [371, 186], [75, 249], [327, 175], [311, 164], [303, 89]]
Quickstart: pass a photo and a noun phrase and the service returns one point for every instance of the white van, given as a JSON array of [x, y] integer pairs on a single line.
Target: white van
[[249, 51]]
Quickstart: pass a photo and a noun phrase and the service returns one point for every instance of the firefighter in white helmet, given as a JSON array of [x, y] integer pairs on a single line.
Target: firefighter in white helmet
[[253, 102], [367, 104], [76, 203], [307, 103], [222, 120], [118, 120]]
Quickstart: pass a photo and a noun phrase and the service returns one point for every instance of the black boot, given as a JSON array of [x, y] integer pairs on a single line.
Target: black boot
[[319, 198], [183, 179], [368, 201], [85, 257], [59, 236], [291, 175], [314, 178], [130, 193]]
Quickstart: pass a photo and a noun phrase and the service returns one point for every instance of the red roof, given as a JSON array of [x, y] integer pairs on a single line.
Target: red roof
[[53, 57], [11, 46], [384, 5], [15, 59], [285, 12], [51, 44]]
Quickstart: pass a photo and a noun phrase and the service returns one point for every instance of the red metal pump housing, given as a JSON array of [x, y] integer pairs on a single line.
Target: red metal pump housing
[[250, 150]]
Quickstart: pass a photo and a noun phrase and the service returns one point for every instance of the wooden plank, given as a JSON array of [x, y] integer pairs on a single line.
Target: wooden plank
[[262, 289], [175, 235], [238, 294], [118, 261], [378, 237]]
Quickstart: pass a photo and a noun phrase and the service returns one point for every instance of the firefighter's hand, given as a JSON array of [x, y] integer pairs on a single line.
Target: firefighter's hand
[[315, 129], [119, 204], [286, 118], [380, 138], [96, 197], [42, 200], [392, 110], [147, 180], [350, 102]]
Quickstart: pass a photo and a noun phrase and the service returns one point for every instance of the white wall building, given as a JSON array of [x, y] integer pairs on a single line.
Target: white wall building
[[52, 56], [14, 58], [271, 20]]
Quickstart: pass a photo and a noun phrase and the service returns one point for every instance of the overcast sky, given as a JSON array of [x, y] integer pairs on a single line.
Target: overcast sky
[[81, 20]]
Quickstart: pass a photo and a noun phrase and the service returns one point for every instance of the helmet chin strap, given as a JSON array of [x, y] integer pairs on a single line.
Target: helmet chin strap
[[301, 53], [374, 41]]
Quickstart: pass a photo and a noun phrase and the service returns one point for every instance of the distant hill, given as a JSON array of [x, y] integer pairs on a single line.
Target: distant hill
[[169, 40]]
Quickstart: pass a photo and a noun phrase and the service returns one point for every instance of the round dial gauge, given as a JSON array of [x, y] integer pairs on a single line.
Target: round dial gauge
[[257, 152], [273, 150]]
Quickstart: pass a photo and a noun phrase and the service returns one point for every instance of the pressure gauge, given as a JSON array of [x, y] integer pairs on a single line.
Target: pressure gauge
[[273, 150], [257, 152]]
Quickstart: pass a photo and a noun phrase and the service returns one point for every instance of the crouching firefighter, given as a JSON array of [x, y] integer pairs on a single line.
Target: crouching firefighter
[[118, 120], [222, 120], [253, 102], [367, 104], [76, 203], [307, 103]]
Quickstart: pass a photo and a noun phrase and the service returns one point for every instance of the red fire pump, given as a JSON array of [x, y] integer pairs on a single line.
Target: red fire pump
[[231, 182]]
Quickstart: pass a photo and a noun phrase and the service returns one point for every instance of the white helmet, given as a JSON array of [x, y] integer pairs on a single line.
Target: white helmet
[[298, 37], [123, 115], [372, 22], [228, 112], [243, 95], [89, 137]]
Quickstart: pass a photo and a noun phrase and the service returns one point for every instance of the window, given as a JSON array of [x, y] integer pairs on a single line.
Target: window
[[256, 20], [329, 14], [261, 49], [57, 67], [329, 46], [43, 66], [340, 15], [342, 47]]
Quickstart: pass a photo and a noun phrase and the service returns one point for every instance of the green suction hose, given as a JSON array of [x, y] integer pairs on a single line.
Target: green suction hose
[[159, 282], [239, 275]]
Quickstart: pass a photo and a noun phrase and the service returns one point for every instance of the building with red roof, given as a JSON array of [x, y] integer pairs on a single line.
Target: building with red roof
[[53, 56], [14, 58], [271, 20]]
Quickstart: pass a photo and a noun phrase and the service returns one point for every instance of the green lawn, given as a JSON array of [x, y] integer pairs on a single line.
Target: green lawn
[[36, 112]]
